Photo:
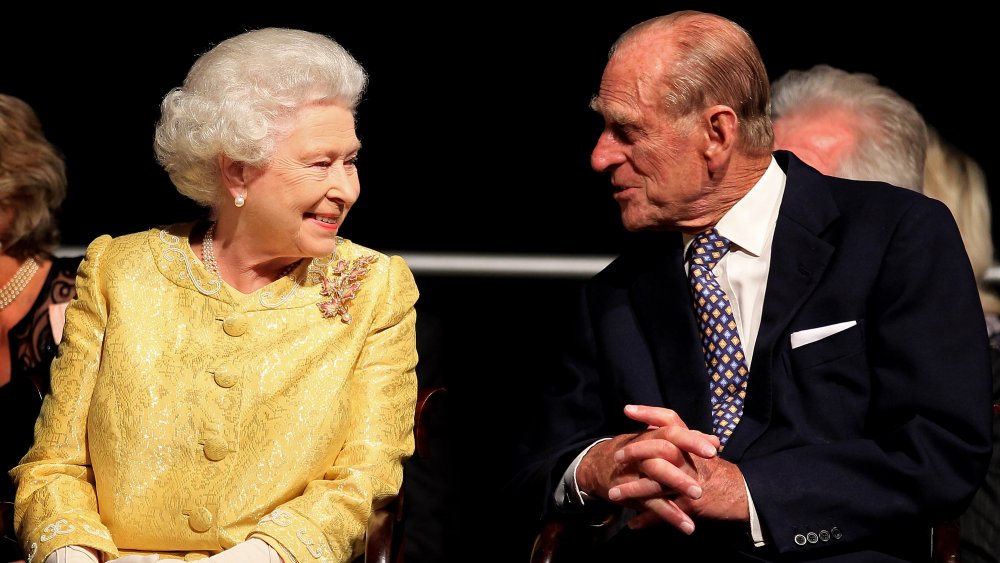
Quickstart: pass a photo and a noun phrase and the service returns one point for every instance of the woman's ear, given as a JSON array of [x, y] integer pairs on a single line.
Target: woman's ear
[[233, 175]]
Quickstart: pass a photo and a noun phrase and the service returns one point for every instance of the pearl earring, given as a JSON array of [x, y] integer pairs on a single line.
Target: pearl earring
[[239, 200]]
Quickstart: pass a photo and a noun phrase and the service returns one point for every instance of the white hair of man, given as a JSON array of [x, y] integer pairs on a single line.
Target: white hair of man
[[891, 136]]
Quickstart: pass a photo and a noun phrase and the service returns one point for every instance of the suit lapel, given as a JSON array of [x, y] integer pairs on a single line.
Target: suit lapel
[[799, 256], [662, 303]]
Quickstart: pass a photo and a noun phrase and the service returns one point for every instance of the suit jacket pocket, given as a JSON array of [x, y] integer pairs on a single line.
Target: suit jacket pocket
[[843, 343]]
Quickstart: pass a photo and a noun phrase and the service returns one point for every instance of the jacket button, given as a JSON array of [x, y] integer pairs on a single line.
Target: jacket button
[[224, 379], [824, 535], [200, 519], [235, 325], [215, 449], [800, 539], [835, 533], [195, 556], [811, 537]]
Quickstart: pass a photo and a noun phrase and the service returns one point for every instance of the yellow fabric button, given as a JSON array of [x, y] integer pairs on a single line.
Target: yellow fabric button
[[235, 325], [215, 449], [195, 556], [223, 379], [200, 519]]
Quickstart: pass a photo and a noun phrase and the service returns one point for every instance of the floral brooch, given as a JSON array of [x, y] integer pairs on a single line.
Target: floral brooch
[[342, 286]]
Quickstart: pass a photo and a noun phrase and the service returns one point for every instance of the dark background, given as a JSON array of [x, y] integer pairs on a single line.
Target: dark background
[[475, 124], [476, 133]]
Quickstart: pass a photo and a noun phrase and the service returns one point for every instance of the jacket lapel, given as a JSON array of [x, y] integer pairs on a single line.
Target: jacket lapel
[[662, 303], [799, 256]]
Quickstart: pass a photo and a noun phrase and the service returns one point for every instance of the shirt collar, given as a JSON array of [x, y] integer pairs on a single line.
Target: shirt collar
[[743, 224]]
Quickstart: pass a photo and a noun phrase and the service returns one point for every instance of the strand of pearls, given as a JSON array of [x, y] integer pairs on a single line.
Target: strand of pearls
[[16, 284], [208, 256]]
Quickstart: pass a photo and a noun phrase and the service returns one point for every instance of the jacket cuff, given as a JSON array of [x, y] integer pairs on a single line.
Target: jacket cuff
[[62, 532], [291, 534]]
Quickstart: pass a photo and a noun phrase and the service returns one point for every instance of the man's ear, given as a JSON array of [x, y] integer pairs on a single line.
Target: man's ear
[[233, 175], [721, 123]]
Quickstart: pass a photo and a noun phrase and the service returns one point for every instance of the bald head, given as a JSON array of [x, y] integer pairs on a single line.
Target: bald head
[[823, 138], [684, 100], [700, 60]]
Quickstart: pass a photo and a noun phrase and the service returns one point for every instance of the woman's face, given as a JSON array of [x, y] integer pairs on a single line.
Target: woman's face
[[299, 200]]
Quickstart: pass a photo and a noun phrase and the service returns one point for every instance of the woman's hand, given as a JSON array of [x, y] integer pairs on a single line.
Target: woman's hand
[[251, 551], [73, 554]]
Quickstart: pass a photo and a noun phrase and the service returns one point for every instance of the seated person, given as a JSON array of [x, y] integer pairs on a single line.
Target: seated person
[[784, 366], [242, 388]]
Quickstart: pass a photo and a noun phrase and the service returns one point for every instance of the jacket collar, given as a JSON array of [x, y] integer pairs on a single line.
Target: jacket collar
[[661, 300]]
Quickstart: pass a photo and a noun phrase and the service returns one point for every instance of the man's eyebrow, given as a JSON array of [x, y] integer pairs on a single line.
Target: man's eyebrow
[[595, 103], [615, 117]]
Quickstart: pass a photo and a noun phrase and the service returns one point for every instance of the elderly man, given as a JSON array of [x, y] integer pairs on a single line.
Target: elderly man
[[787, 366]]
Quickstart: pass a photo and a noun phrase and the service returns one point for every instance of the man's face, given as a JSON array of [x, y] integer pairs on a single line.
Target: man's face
[[655, 161], [820, 137]]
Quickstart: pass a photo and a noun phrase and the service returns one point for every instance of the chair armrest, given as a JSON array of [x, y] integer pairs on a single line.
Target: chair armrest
[[546, 547], [946, 543], [428, 400], [379, 539], [564, 538], [384, 535]]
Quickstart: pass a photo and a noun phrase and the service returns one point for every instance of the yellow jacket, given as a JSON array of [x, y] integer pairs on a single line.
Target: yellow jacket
[[186, 417]]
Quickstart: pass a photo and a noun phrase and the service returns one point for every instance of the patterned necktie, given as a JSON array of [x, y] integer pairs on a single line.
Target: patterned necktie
[[727, 369]]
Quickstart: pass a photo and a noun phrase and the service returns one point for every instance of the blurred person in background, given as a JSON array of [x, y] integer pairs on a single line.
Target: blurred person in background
[[954, 178], [848, 125], [35, 285]]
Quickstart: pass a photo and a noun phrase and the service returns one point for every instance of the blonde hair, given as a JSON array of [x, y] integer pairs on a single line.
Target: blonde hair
[[955, 179]]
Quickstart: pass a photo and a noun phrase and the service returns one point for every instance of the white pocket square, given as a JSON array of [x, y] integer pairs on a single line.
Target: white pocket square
[[808, 336]]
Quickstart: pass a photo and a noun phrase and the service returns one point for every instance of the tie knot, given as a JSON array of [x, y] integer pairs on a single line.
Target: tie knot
[[708, 248]]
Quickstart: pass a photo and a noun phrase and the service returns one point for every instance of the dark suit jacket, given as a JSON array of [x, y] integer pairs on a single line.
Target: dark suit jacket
[[856, 443]]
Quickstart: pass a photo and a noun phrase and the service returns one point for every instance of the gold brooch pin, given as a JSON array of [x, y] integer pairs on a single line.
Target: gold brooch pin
[[342, 286]]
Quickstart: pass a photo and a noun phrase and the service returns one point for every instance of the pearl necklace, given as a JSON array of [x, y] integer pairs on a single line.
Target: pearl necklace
[[14, 287], [208, 256]]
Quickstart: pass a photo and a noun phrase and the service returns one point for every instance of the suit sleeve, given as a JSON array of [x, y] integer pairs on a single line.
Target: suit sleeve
[[571, 418], [56, 504], [923, 448]]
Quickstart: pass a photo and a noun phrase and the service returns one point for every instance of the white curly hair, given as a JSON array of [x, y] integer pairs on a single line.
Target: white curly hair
[[237, 97]]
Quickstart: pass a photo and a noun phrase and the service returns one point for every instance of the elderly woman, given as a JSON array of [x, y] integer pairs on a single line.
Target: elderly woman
[[35, 286], [241, 388]]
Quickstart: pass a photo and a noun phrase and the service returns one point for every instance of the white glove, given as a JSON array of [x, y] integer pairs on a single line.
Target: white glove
[[254, 550], [73, 554], [136, 559]]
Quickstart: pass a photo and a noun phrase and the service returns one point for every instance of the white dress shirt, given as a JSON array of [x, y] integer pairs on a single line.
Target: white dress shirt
[[742, 274]]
